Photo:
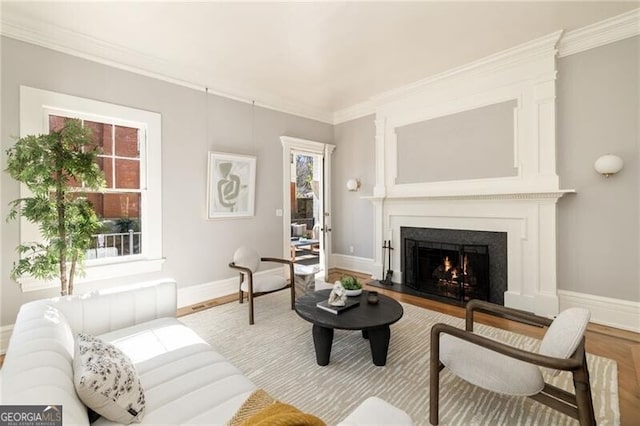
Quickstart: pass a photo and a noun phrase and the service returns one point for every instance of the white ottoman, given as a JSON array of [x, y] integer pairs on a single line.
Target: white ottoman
[[377, 412]]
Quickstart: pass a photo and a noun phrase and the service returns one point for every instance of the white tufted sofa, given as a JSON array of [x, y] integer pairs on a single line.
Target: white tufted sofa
[[185, 380]]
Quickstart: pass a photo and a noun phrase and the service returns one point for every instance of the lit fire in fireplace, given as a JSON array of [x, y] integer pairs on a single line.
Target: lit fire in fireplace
[[450, 274], [447, 264], [447, 269]]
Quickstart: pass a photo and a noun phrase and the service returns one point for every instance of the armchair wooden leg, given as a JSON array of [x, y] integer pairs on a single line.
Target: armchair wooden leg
[[240, 293], [292, 281], [250, 308], [584, 401], [434, 378]]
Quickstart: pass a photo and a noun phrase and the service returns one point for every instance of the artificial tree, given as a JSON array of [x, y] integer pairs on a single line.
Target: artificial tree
[[56, 168]]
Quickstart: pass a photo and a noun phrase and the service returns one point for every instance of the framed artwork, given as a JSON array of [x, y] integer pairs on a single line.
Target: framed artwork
[[231, 185]]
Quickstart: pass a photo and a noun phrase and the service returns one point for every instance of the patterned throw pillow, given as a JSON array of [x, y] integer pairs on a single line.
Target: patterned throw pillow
[[106, 380]]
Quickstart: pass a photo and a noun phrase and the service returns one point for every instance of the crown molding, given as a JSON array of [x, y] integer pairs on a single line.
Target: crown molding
[[507, 58], [83, 46], [600, 33], [354, 112], [534, 195]]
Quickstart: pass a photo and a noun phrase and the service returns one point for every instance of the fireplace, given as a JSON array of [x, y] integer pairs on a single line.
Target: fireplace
[[454, 266]]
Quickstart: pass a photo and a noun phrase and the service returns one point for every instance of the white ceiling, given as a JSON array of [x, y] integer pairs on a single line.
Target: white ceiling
[[314, 58]]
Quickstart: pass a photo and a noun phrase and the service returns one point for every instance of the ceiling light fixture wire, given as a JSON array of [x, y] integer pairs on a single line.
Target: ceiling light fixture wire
[[206, 114]]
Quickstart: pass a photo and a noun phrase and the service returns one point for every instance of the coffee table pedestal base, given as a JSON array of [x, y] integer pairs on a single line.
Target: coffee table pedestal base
[[322, 340], [378, 341]]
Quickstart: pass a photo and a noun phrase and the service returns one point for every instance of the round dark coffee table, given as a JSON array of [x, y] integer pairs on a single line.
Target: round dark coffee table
[[373, 320]]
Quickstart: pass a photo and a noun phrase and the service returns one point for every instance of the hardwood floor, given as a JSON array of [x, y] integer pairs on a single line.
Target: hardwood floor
[[620, 345]]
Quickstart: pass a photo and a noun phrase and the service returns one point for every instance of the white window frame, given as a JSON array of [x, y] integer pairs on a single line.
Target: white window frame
[[35, 107]]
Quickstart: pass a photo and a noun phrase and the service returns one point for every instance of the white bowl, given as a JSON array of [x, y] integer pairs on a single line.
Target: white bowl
[[357, 292]]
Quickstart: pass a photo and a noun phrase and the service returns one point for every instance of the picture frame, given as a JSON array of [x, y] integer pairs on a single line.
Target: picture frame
[[231, 185]]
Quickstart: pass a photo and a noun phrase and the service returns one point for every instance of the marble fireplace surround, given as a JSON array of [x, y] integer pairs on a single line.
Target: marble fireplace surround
[[495, 244]]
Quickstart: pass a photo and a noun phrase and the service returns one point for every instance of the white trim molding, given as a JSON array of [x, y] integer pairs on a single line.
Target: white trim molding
[[530, 227], [604, 32], [35, 105], [200, 293], [523, 206], [521, 54], [352, 263], [608, 311], [600, 33], [354, 112], [5, 335], [82, 46], [318, 149]]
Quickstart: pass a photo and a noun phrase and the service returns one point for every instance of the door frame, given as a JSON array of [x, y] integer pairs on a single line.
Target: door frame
[[289, 145]]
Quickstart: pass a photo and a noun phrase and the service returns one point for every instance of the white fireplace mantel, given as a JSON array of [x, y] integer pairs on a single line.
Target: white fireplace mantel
[[554, 195], [523, 206], [530, 225]]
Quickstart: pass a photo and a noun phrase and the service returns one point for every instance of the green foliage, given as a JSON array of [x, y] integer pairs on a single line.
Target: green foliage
[[52, 167], [350, 283], [125, 223], [304, 175]]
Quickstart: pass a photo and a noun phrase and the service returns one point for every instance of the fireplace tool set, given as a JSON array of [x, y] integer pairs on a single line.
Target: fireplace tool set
[[386, 246]]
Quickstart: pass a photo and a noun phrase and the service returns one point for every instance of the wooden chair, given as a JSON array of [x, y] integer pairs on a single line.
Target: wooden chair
[[508, 370], [247, 261]]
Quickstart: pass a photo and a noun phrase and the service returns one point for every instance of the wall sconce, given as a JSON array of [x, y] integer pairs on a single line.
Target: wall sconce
[[608, 164], [353, 184]]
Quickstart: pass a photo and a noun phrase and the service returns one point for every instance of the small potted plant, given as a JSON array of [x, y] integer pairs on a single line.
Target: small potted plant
[[351, 285]]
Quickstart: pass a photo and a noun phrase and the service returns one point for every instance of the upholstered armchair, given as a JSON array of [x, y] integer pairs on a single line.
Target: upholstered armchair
[[247, 262], [501, 368]]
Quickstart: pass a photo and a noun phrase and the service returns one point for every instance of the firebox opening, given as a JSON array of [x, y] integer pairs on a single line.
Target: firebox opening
[[453, 265], [454, 271]]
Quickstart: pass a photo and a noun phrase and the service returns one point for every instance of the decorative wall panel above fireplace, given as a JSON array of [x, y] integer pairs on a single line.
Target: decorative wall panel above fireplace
[[523, 76], [474, 144], [519, 200]]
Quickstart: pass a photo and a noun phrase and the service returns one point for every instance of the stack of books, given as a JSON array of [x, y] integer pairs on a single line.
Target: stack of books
[[350, 303]]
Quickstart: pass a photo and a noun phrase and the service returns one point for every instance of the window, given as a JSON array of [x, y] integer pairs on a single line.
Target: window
[[129, 207], [119, 205]]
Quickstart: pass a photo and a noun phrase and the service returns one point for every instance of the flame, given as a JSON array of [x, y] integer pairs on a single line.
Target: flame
[[447, 264], [465, 264]]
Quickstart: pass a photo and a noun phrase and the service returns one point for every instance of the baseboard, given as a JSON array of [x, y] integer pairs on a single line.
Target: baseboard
[[352, 263], [5, 334], [198, 293], [616, 313]]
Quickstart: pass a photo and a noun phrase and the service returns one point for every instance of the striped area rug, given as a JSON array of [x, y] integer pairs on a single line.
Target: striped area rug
[[277, 355]]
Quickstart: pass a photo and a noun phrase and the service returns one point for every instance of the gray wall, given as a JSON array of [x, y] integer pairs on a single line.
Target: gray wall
[[598, 96], [197, 250], [598, 227], [354, 157], [472, 144]]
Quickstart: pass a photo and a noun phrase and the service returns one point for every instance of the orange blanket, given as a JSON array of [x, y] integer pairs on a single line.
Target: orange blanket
[[260, 409]]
